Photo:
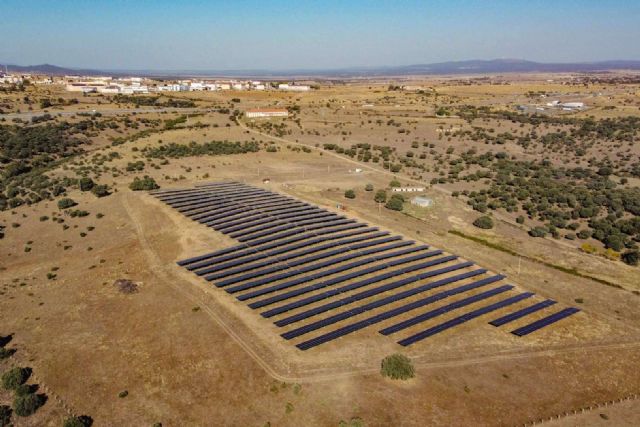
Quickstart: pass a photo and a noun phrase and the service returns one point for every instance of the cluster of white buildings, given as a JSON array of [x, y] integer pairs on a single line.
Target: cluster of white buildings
[[257, 113], [106, 85], [12, 79], [191, 85], [135, 85]]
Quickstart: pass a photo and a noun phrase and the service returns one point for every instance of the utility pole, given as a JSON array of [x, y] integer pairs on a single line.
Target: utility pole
[[519, 262]]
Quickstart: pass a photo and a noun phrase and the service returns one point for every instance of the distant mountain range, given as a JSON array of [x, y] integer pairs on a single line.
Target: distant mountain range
[[494, 66]]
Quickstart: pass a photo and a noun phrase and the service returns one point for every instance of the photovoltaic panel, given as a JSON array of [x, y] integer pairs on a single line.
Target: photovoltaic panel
[[521, 313], [334, 240], [260, 205], [352, 312], [442, 310], [223, 219], [356, 285], [207, 198], [335, 280], [311, 267], [394, 312], [392, 298], [236, 230], [532, 327], [462, 319], [311, 226], [299, 261], [223, 252]]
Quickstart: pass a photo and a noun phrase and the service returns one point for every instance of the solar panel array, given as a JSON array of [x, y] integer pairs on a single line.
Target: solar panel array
[[307, 268]]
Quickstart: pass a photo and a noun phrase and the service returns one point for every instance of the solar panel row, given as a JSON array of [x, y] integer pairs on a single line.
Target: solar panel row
[[394, 312], [521, 313], [462, 319], [532, 327], [445, 309], [276, 268], [356, 285], [317, 266], [308, 245], [386, 288], [344, 315], [272, 245], [335, 280]]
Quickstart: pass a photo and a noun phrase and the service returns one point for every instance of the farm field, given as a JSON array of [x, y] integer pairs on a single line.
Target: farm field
[[93, 300]]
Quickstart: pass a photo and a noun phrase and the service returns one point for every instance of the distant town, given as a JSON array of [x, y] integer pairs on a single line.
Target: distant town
[[142, 85]]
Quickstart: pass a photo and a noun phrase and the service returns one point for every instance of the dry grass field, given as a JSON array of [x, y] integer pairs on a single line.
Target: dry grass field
[[190, 354]]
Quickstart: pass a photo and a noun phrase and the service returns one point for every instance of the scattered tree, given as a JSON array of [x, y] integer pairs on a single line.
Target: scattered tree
[[484, 222], [397, 367]]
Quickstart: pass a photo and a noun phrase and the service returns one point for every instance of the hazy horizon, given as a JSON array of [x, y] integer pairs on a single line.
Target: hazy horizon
[[250, 35]]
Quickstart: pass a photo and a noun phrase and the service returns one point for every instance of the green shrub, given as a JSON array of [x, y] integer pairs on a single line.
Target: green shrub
[[485, 222], [81, 421], [538, 232], [380, 197], [395, 203], [86, 184], [397, 367], [353, 422], [15, 377], [6, 353], [631, 257], [368, 187], [144, 184], [5, 416], [350, 194], [66, 203], [100, 190], [27, 404]]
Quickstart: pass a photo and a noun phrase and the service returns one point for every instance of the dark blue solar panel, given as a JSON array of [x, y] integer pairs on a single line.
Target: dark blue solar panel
[[521, 313], [297, 238], [385, 288], [365, 282], [236, 228], [462, 319], [396, 311], [262, 206], [362, 309], [202, 210], [206, 198], [299, 221], [329, 272], [312, 267], [292, 227], [445, 309], [532, 327], [213, 200], [205, 193], [188, 193], [289, 256], [223, 220], [332, 239], [302, 232]]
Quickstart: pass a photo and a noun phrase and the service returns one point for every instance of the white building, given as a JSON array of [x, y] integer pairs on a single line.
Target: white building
[[296, 88], [407, 189], [266, 112], [111, 89], [573, 105], [423, 202]]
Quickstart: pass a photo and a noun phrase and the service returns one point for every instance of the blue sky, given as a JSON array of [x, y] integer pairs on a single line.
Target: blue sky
[[248, 34]]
